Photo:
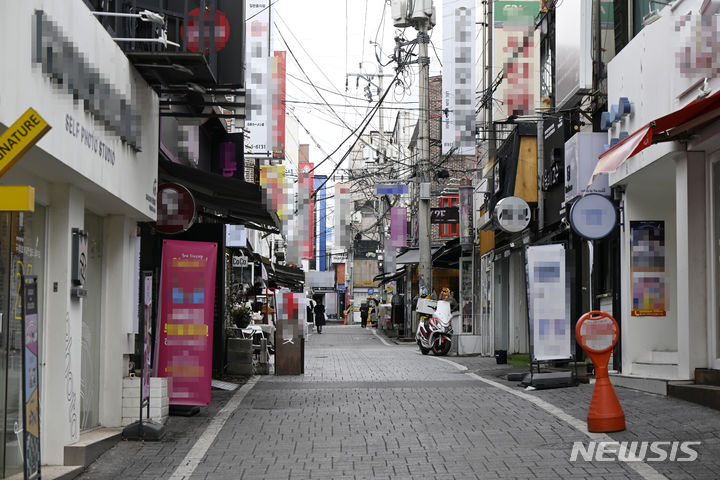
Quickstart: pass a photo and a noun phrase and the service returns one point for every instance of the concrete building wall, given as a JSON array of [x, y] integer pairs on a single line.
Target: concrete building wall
[[81, 165]]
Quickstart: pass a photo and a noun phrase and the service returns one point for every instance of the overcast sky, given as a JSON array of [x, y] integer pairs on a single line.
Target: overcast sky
[[330, 38]]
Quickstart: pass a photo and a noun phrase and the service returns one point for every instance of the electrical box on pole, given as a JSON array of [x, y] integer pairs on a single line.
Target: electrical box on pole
[[399, 11]]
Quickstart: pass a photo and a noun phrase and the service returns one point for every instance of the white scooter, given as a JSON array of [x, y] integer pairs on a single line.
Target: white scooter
[[434, 330]]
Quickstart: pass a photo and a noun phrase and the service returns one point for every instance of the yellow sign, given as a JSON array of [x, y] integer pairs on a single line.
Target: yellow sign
[[20, 137], [17, 198]]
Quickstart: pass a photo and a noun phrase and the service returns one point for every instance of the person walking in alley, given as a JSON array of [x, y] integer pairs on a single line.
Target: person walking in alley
[[310, 310], [364, 314], [319, 315]]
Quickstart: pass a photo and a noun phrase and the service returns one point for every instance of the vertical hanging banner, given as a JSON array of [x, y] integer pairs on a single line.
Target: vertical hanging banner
[[258, 78], [31, 375], [342, 204], [647, 269], [465, 194], [272, 180], [279, 62], [458, 82], [306, 225], [516, 57], [184, 340], [398, 226], [548, 308]]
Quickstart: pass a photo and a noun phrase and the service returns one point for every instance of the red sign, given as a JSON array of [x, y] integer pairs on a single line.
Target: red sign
[[176, 208], [220, 28], [306, 183], [278, 104], [187, 298]]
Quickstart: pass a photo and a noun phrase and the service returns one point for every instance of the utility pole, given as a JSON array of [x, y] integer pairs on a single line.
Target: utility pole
[[490, 79], [420, 14], [425, 264]]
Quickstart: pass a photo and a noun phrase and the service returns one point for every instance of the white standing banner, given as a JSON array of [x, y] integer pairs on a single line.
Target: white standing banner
[[258, 79], [548, 308], [458, 77]]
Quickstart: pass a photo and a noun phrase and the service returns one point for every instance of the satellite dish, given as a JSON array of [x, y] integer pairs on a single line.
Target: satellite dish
[[593, 216]]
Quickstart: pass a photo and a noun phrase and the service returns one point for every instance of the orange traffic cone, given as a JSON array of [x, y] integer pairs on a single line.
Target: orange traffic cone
[[605, 413], [597, 332]]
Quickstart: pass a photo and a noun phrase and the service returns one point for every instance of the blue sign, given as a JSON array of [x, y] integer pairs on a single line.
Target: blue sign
[[341, 288], [371, 291], [392, 189]]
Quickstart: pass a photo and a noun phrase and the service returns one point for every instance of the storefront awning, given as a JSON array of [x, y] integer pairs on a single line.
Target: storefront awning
[[384, 278], [448, 256], [670, 127], [410, 256], [226, 199]]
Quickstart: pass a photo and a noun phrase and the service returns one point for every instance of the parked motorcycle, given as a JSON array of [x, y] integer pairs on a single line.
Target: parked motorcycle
[[434, 330]]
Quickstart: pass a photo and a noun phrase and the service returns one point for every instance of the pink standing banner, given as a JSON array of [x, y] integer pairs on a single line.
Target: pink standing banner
[[187, 298], [398, 226]]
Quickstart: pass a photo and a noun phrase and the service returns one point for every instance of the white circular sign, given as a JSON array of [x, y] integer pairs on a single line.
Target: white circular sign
[[593, 216], [512, 214]]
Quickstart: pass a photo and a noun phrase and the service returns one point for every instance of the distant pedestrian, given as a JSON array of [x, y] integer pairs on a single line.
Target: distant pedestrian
[[364, 314], [319, 316], [310, 310]]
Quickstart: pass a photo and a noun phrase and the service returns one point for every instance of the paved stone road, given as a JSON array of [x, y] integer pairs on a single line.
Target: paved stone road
[[367, 410]]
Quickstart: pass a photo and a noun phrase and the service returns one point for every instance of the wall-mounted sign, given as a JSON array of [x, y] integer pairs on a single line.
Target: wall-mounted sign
[[235, 236], [552, 176], [512, 214], [79, 262], [445, 215], [647, 268], [220, 30], [176, 208], [82, 79], [593, 216], [581, 157], [20, 137], [239, 261], [392, 189], [465, 194]]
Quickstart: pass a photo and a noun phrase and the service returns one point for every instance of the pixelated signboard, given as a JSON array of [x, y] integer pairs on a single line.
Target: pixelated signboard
[[187, 297], [647, 268]]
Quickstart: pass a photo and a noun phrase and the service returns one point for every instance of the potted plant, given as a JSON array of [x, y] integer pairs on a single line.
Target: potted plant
[[241, 315]]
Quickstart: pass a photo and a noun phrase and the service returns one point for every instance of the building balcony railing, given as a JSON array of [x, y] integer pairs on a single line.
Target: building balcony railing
[[179, 42]]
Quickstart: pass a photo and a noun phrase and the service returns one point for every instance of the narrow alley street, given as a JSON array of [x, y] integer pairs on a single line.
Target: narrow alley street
[[367, 408]]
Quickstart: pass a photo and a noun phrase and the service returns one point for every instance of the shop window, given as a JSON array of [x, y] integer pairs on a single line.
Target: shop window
[[449, 229], [22, 252]]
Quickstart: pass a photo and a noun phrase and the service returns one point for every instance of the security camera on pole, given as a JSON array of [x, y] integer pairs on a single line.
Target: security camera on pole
[[420, 14]]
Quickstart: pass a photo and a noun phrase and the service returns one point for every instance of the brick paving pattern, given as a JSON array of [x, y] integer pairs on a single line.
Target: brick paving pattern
[[364, 410]]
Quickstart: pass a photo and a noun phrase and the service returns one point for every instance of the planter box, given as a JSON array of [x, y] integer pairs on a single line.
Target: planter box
[[159, 400], [239, 356]]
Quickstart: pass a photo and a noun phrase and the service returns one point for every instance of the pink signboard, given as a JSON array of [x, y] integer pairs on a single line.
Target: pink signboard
[[398, 226], [187, 297]]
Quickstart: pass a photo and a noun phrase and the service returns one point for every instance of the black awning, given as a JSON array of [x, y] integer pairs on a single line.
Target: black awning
[[172, 68], [384, 278], [290, 277], [225, 199], [448, 256]]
